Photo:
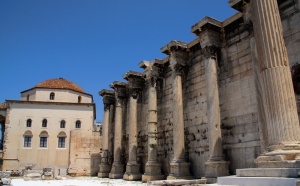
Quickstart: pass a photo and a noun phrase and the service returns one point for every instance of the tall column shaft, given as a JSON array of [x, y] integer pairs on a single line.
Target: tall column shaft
[[281, 112], [105, 167], [105, 130], [213, 110], [118, 134], [215, 166], [117, 168], [132, 167], [178, 121], [153, 168], [152, 125], [132, 130]]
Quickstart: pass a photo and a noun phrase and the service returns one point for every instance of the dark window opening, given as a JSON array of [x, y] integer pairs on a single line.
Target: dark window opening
[[78, 124], [28, 123], [52, 96], [43, 142], [27, 141], [62, 124], [44, 123]]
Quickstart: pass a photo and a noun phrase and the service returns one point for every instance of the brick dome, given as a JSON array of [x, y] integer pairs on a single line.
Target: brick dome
[[59, 83]]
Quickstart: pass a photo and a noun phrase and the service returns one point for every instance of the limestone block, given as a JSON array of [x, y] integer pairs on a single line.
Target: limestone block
[[5, 174], [5, 181]]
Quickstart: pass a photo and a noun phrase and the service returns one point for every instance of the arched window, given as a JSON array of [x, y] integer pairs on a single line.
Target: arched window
[[61, 140], [44, 139], [44, 123], [78, 124], [28, 123], [27, 138], [79, 99], [62, 124], [52, 96]]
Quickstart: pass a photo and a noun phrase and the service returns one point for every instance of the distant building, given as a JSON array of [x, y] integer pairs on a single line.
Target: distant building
[[45, 129]]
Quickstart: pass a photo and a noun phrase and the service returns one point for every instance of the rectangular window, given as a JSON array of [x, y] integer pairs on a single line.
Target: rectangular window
[[61, 142], [27, 141], [43, 141]]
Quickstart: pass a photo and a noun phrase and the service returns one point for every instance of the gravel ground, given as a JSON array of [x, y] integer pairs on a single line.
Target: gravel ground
[[80, 181]]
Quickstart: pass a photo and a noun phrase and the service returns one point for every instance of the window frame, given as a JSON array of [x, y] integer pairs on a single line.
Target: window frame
[[43, 142], [52, 96], [78, 124], [61, 142], [27, 141], [29, 123], [44, 123], [62, 124]]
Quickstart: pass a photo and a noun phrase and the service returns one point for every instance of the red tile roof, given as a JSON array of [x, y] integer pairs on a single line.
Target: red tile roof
[[59, 83]]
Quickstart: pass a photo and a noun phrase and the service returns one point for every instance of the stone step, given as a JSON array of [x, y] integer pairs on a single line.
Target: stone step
[[258, 181]]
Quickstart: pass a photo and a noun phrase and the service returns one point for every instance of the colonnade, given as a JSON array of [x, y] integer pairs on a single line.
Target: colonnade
[[281, 119]]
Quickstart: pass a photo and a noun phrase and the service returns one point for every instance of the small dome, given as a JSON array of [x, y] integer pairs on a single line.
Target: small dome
[[59, 83]]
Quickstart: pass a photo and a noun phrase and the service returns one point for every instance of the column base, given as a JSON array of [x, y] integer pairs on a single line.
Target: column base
[[179, 170], [152, 172], [117, 171], [104, 170], [132, 173], [214, 169], [287, 156]]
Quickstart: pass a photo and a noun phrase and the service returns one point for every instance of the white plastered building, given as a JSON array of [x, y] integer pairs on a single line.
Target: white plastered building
[[39, 126]]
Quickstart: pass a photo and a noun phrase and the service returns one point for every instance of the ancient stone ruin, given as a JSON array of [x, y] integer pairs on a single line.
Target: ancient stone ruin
[[222, 104]]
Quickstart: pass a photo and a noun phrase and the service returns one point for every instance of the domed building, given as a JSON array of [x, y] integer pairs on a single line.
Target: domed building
[[46, 127]]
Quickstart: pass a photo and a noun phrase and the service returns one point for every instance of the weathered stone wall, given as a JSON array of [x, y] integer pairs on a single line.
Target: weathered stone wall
[[240, 120], [84, 153], [238, 103]]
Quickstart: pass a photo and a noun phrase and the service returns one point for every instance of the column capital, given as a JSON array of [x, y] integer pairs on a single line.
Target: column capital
[[210, 51], [135, 82], [177, 51], [239, 5], [108, 97], [153, 71], [120, 91]]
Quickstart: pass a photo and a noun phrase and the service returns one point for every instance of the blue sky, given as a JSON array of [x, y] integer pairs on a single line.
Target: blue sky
[[90, 42]]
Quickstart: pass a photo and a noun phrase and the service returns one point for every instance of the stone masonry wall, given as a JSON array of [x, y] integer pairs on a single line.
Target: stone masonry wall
[[238, 102], [84, 153]]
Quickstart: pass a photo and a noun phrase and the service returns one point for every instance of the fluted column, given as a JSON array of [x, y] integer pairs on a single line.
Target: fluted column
[[215, 165], [153, 167], [179, 168], [117, 169], [282, 119], [135, 86], [108, 100], [280, 109]]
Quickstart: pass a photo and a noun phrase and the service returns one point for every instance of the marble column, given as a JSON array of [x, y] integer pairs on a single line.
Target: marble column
[[108, 100], [280, 109], [117, 169], [135, 83], [215, 166], [179, 167], [209, 32], [153, 167]]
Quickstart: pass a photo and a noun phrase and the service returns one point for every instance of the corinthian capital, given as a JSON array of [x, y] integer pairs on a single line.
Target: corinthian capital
[[135, 83], [210, 52], [120, 91], [153, 71], [177, 52], [108, 97]]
